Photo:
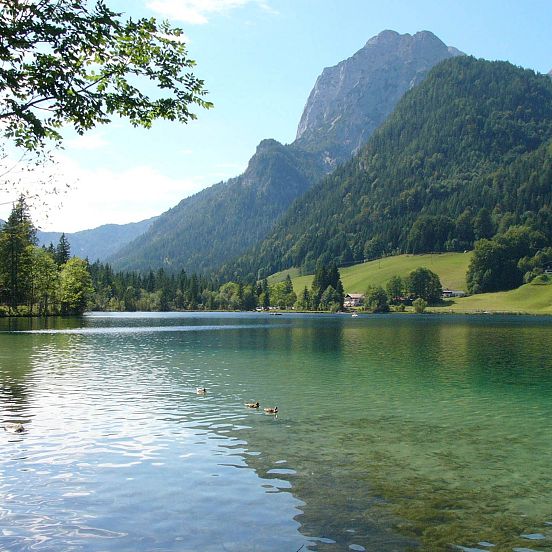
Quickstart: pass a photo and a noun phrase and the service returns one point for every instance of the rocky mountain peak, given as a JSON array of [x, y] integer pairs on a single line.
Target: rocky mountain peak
[[351, 99], [388, 36], [550, 73], [267, 144]]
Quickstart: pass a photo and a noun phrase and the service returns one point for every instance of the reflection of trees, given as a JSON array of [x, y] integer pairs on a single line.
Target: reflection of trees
[[15, 374], [514, 355], [21, 354], [286, 338], [27, 324], [13, 396]]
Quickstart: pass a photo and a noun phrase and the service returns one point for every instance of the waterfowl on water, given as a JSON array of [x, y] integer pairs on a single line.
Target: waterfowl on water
[[271, 410], [201, 390], [252, 405], [12, 427]]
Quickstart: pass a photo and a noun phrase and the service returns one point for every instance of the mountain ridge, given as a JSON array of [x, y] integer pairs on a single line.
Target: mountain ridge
[[370, 83], [208, 229], [100, 242], [275, 176]]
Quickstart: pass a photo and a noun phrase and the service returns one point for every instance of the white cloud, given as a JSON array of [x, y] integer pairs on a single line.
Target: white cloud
[[268, 8], [105, 196], [197, 11], [88, 142]]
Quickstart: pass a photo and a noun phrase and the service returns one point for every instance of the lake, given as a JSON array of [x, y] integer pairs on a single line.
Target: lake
[[394, 433]]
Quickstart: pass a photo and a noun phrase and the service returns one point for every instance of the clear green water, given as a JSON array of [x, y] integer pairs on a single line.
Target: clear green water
[[394, 433]]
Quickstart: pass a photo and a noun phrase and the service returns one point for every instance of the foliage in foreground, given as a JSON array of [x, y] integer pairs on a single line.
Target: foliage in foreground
[[79, 63]]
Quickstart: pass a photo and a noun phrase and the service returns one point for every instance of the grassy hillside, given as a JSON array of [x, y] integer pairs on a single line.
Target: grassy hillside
[[530, 298], [281, 276], [451, 268]]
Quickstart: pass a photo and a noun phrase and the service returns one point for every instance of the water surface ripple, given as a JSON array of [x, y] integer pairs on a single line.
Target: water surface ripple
[[393, 433]]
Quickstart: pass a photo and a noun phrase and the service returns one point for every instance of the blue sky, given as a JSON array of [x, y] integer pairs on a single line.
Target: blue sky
[[259, 60]]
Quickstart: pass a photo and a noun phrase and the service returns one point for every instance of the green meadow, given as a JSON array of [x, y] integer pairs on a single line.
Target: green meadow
[[530, 298], [451, 268]]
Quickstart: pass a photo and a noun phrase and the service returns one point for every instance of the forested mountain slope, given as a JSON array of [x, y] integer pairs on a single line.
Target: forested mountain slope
[[475, 134], [220, 222], [347, 103]]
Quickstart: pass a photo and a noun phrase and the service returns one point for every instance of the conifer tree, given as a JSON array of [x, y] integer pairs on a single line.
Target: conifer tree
[[63, 250], [15, 262]]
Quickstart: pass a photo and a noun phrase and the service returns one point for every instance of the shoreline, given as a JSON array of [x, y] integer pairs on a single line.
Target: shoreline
[[429, 311]]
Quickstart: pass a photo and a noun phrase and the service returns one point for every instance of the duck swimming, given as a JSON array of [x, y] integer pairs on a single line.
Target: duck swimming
[[252, 405], [201, 391], [12, 427], [271, 410]]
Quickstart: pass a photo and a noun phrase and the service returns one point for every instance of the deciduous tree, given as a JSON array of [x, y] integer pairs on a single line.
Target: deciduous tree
[[375, 299], [45, 281], [424, 283], [79, 63], [395, 288], [76, 286]]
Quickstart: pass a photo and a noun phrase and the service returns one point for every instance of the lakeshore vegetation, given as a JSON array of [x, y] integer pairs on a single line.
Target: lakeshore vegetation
[[42, 281]]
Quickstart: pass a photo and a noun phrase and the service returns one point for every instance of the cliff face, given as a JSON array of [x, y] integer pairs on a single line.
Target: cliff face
[[350, 100]]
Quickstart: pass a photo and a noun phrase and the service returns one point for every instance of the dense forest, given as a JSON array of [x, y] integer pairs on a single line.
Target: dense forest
[[44, 281], [162, 291], [466, 154]]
